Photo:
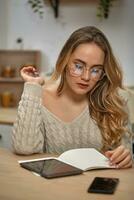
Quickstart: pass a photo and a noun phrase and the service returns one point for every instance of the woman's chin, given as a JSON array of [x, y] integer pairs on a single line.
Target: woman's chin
[[81, 91]]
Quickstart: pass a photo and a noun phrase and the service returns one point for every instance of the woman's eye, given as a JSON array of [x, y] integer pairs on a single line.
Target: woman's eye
[[78, 66], [96, 70]]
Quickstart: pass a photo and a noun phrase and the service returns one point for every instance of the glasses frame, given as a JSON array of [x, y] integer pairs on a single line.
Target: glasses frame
[[84, 68]]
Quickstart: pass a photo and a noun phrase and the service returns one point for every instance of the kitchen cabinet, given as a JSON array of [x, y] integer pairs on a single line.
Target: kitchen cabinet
[[11, 87], [11, 84]]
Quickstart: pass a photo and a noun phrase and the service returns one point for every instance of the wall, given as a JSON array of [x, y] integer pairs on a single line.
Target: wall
[[49, 34], [3, 23]]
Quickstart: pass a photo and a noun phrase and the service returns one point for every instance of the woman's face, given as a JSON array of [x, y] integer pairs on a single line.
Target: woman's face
[[85, 68]]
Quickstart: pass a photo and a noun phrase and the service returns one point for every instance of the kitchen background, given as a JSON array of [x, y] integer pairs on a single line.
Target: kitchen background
[[48, 34]]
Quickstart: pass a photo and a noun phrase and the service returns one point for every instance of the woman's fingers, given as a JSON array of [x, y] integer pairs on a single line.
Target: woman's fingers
[[126, 162], [116, 153], [128, 165], [113, 154], [30, 70], [108, 153], [30, 74], [120, 157]]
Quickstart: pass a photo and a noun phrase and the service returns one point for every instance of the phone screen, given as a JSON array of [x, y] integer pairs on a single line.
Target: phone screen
[[51, 168], [103, 185]]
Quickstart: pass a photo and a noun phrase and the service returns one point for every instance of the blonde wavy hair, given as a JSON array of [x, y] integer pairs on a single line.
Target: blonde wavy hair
[[105, 105]]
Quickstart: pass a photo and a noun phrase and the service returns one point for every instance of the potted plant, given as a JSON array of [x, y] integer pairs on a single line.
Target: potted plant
[[103, 7]]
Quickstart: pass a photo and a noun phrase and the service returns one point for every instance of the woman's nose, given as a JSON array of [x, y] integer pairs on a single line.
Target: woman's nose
[[86, 75]]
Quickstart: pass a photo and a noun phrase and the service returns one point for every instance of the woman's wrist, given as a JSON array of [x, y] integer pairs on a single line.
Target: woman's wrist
[[32, 89], [42, 82]]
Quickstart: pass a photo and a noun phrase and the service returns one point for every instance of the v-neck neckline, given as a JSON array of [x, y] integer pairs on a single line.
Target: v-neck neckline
[[63, 122]]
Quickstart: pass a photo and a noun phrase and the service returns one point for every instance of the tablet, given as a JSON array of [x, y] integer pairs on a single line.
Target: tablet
[[51, 168]]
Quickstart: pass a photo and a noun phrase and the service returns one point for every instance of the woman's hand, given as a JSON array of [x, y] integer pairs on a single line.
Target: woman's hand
[[30, 74], [120, 157]]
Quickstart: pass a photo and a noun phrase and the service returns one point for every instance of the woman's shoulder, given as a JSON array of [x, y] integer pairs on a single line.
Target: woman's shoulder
[[50, 88], [49, 95]]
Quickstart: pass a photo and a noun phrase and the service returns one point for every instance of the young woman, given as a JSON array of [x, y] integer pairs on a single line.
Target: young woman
[[80, 107]]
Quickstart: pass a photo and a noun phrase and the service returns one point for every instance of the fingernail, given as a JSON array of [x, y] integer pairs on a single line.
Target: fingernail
[[110, 163]]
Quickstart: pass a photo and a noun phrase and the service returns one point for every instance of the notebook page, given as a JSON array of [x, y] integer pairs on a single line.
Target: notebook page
[[85, 158]]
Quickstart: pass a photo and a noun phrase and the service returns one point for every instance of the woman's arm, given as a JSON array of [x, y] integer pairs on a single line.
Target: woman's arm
[[29, 131]]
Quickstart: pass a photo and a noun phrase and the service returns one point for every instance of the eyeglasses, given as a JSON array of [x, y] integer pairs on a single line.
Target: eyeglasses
[[77, 69]]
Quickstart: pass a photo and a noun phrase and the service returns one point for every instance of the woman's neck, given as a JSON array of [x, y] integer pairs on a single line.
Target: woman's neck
[[69, 95]]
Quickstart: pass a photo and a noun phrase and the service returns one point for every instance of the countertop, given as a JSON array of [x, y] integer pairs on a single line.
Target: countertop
[[7, 115]]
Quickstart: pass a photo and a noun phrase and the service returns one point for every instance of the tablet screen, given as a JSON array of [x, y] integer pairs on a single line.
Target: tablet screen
[[51, 168]]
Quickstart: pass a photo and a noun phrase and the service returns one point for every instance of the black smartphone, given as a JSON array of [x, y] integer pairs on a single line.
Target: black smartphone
[[103, 185], [51, 168]]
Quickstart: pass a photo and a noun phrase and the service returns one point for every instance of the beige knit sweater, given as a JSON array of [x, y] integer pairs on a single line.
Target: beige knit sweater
[[38, 130]]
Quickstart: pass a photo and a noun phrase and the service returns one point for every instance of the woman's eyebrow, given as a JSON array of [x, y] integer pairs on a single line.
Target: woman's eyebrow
[[79, 60], [84, 63], [98, 65]]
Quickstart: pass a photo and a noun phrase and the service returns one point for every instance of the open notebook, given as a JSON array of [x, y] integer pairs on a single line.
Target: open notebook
[[83, 158]]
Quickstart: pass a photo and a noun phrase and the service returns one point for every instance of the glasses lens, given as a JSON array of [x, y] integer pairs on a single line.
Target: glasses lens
[[96, 73], [76, 69]]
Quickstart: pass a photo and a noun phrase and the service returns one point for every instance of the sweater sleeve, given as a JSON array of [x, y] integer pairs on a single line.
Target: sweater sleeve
[[127, 139], [28, 131]]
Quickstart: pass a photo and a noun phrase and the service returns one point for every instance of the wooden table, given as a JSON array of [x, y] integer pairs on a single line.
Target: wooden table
[[17, 183]]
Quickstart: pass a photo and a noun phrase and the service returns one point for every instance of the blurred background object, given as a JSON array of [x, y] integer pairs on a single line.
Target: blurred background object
[[7, 99], [11, 84], [103, 7], [20, 43], [8, 71]]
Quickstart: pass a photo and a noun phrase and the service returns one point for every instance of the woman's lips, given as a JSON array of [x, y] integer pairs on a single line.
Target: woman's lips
[[82, 86]]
